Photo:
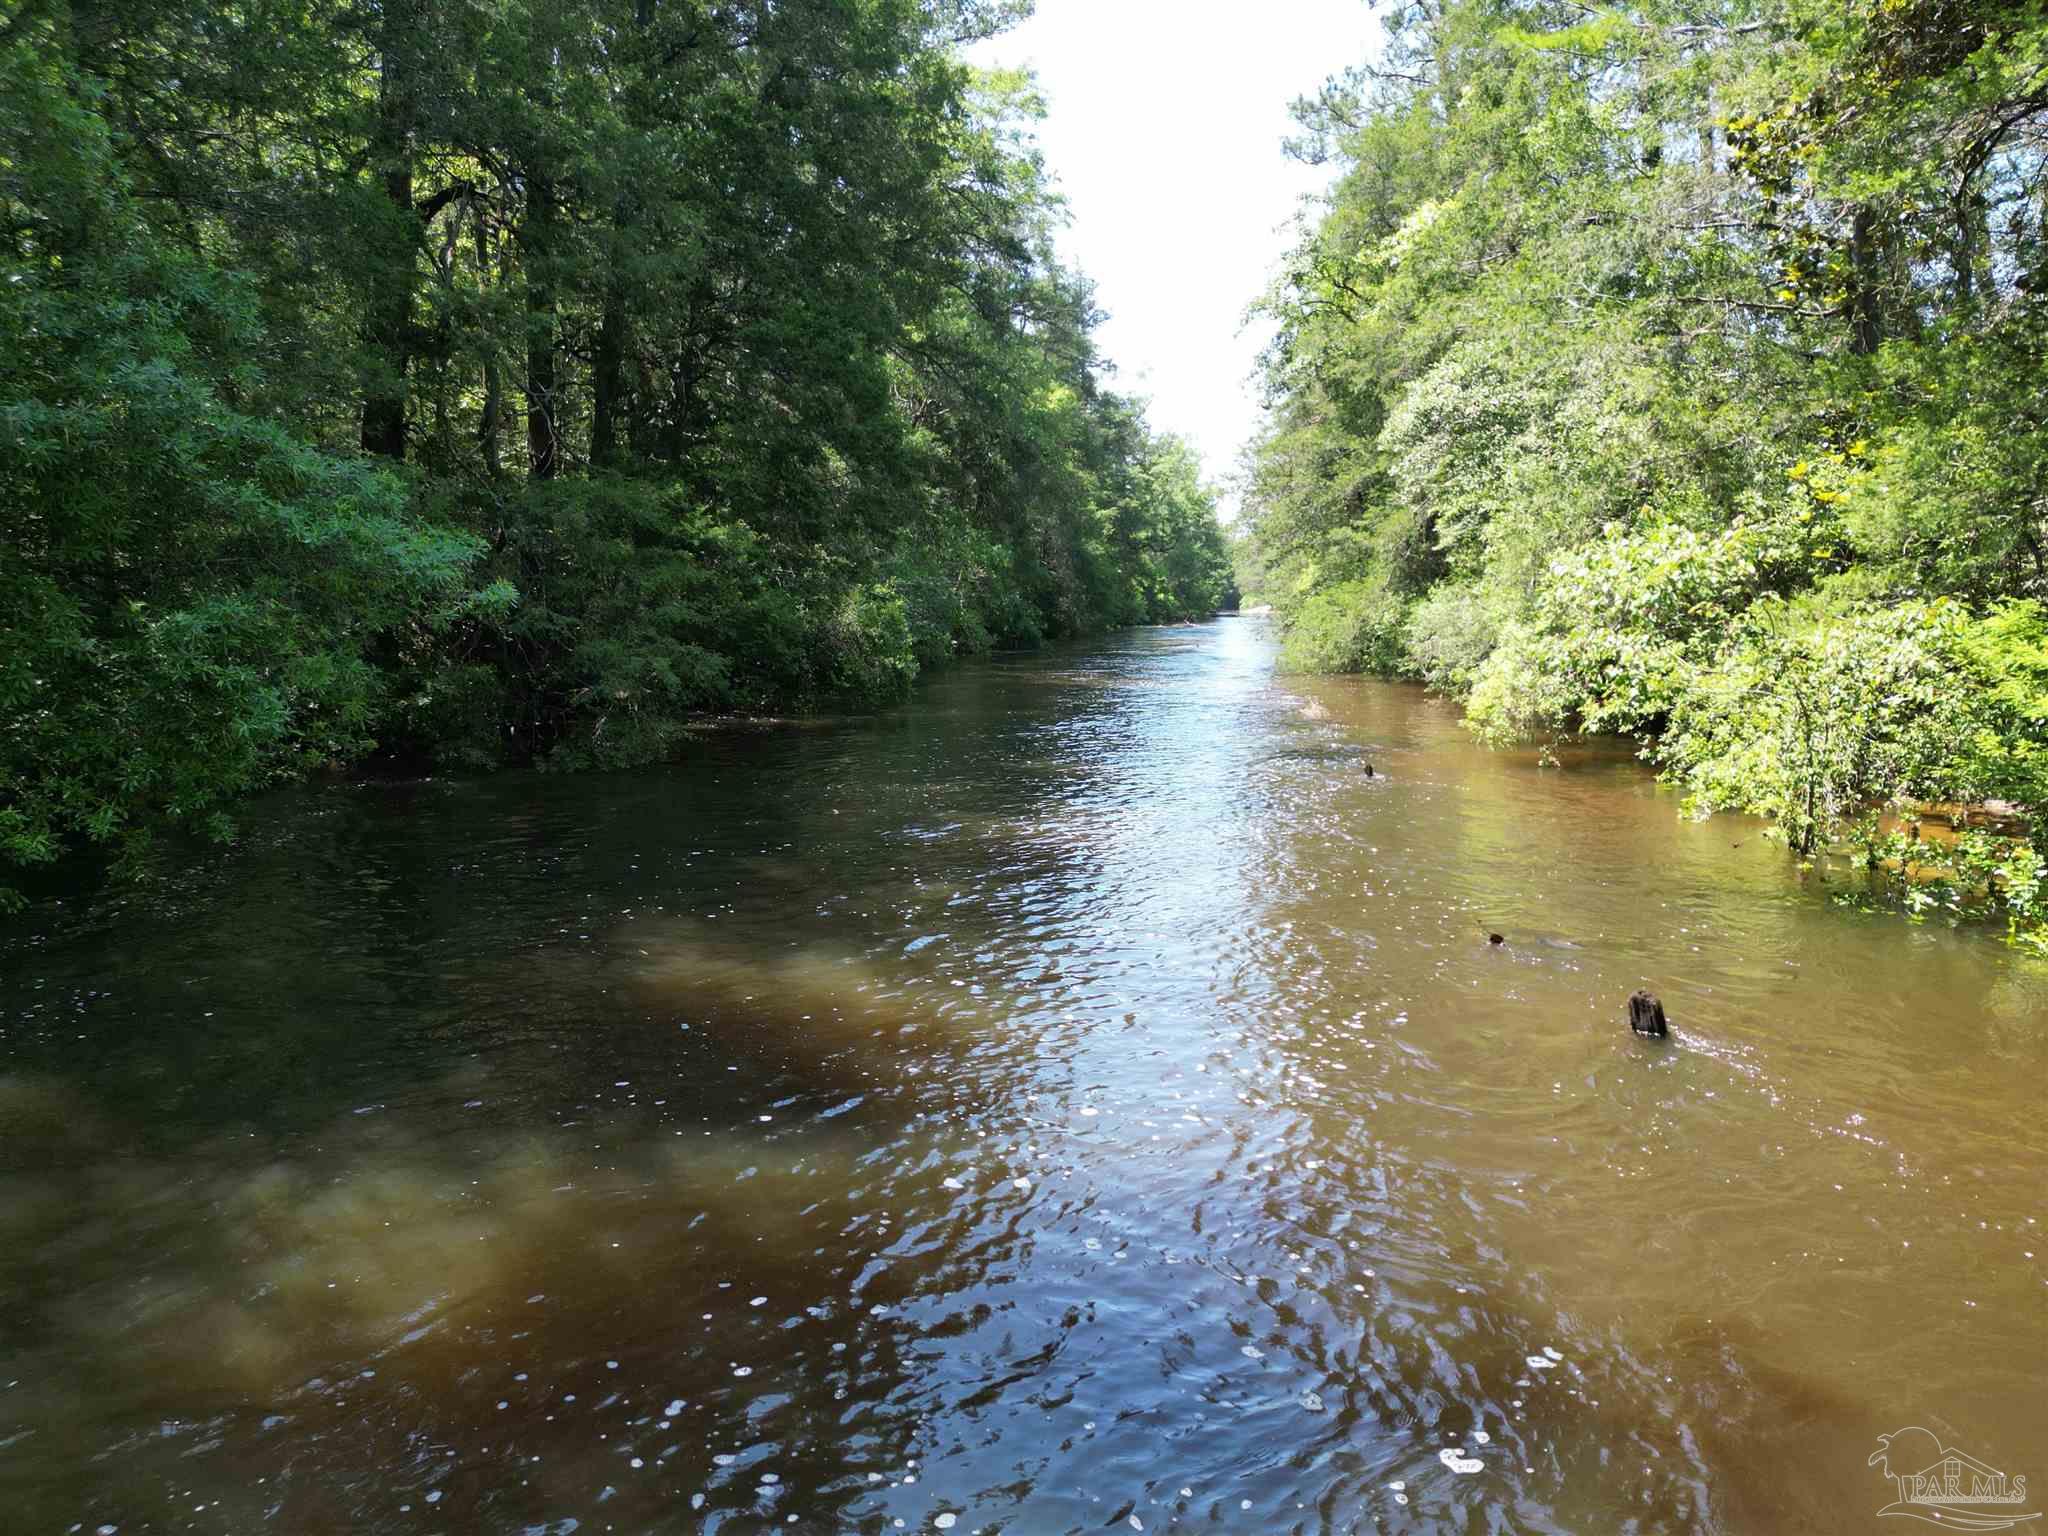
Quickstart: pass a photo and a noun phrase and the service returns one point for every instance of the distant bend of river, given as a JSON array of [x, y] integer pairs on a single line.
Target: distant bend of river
[[1079, 1100]]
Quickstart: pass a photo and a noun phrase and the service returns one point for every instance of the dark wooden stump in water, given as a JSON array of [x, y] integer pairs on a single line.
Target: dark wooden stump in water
[[1646, 1015]]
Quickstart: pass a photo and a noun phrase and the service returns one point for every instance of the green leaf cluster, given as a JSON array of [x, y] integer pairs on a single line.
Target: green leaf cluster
[[470, 383], [1673, 369]]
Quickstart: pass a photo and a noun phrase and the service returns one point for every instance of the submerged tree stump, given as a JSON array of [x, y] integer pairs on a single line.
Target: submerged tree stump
[[1646, 1015]]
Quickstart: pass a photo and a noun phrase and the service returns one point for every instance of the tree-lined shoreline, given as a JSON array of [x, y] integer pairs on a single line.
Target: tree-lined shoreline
[[1674, 370], [517, 382]]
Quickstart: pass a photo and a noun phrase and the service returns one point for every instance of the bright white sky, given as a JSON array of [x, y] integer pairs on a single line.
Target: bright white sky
[[1164, 125]]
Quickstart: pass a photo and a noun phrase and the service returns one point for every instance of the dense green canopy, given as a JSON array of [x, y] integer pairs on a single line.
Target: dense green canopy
[[488, 379], [1675, 368]]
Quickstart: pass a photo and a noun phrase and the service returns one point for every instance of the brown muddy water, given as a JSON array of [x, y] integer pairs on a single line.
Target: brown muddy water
[[1080, 1100]]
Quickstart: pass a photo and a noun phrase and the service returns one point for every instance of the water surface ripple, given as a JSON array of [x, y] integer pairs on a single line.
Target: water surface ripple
[[1082, 1099]]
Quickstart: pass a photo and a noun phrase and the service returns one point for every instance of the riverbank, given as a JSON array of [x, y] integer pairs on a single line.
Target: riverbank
[[1758, 487], [1836, 772], [500, 493]]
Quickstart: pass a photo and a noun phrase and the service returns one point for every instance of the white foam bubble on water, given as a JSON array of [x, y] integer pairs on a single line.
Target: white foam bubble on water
[[1481, 1437], [1539, 1363], [1459, 1462], [1312, 1401], [1252, 1352], [1551, 1353], [954, 1184], [944, 1522], [743, 1370], [674, 1408]]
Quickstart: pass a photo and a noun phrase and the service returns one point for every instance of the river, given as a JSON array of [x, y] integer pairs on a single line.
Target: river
[[1081, 1099]]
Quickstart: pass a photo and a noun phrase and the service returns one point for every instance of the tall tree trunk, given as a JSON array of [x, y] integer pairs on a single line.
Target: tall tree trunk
[[392, 269], [1969, 243], [608, 370], [1866, 316], [543, 420], [682, 406], [494, 383], [608, 383], [683, 423]]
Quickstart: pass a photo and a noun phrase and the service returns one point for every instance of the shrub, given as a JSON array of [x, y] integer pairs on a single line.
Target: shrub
[[192, 598], [872, 657], [1352, 627], [1449, 635]]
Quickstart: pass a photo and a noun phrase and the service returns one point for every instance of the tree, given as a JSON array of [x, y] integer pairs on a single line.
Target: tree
[[807, 403], [1673, 370]]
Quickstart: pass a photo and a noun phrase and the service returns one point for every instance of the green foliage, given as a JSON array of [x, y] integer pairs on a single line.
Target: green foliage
[[873, 656], [523, 381], [1806, 713], [1674, 372], [192, 599], [2005, 657], [960, 594], [1450, 634], [1977, 876], [1352, 627]]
